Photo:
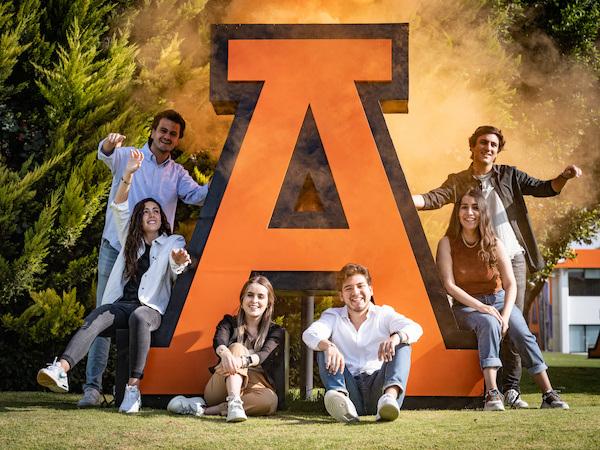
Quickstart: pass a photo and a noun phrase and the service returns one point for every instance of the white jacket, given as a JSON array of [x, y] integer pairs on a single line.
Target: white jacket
[[156, 283]]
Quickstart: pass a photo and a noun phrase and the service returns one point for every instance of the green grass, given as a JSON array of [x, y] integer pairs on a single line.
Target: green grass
[[47, 420]]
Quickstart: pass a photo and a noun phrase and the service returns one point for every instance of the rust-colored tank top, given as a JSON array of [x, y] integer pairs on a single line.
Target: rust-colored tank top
[[470, 274]]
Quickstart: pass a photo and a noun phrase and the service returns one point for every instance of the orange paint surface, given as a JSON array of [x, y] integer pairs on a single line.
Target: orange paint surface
[[296, 74]]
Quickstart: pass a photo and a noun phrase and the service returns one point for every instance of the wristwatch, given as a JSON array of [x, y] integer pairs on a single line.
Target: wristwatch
[[248, 360], [399, 333]]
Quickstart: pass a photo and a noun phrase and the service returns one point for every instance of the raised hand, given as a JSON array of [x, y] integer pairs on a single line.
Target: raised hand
[[181, 256]]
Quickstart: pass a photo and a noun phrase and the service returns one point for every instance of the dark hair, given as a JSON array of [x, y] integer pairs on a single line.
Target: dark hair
[[265, 320], [350, 270], [487, 243], [173, 116], [487, 129], [136, 234]]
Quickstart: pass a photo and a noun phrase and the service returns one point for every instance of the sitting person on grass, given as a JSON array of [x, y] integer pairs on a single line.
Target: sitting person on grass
[[137, 292], [248, 344], [478, 275], [363, 351]]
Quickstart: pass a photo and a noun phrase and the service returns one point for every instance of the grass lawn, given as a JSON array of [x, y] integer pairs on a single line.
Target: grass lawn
[[48, 420]]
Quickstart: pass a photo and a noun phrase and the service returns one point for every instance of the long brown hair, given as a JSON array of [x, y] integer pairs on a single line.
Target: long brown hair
[[487, 243], [136, 234], [265, 320]]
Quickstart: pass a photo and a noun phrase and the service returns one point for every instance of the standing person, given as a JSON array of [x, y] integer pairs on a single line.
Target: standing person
[[363, 351], [503, 187], [477, 273], [137, 293], [248, 345], [159, 177]]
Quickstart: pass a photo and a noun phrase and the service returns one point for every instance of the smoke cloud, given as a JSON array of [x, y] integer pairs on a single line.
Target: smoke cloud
[[461, 76]]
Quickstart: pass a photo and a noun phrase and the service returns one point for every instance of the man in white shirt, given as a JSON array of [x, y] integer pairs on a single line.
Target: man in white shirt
[[363, 351], [159, 177]]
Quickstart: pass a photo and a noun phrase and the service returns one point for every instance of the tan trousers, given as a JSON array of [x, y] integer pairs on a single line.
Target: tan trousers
[[258, 396]]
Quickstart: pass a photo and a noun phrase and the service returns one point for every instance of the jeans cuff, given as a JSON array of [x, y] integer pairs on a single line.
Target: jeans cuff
[[534, 370]]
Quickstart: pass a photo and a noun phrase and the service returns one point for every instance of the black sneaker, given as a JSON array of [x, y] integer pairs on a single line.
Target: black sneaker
[[551, 399]]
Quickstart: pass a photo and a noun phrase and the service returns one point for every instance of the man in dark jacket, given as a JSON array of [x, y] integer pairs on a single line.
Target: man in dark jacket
[[504, 188]]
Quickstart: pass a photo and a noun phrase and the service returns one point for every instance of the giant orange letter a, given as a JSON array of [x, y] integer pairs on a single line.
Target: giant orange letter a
[[308, 103]]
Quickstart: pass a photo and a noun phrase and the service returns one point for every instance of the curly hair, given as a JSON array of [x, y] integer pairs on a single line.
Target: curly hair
[[487, 243], [135, 234], [265, 320]]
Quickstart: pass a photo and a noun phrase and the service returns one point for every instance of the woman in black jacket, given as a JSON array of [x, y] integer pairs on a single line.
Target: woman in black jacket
[[243, 382]]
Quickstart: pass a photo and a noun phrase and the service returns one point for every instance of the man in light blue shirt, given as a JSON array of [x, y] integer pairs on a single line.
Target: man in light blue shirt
[[159, 177]]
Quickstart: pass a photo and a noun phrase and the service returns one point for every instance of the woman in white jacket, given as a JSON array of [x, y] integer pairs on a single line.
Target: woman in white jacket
[[137, 292]]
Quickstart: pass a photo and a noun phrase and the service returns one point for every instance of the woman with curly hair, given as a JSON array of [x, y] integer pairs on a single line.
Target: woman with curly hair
[[137, 292], [477, 274], [248, 346]]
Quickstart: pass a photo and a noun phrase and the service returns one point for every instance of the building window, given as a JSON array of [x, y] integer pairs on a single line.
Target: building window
[[584, 282], [582, 337]]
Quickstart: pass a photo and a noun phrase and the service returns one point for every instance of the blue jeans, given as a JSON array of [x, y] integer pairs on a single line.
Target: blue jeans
[[489, 334], [98, 354], [364, 390]]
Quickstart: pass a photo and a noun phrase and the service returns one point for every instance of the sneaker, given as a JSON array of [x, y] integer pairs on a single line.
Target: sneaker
[[512, 399], [341, 407], [493, 401], [387, 408], [132, 400], [235, 410], [54, 377], [551, 399], [181, 405], [91, 398]]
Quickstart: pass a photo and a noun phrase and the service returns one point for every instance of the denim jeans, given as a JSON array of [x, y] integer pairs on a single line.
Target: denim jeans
[[105, 320], [98, 354], [489, 334], [509, 375], [364, 390]]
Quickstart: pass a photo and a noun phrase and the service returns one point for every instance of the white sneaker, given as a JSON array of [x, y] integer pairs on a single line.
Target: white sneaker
[[54, 377], [340, 406], [235, 410], [551, 399], [513, 399], [493, 401], [182, 405], [387, 408], [132, 400], [91, 398]]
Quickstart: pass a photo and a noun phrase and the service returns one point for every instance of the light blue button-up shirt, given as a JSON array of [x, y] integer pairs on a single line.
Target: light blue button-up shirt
[[164, 182]]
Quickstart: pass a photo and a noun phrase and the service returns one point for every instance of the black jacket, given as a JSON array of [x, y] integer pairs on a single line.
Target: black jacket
[[270, 353]]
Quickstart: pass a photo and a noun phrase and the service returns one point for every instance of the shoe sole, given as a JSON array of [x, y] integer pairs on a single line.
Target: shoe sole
[[47, 381], [237, 419], [338, 408], [494, 407], [560, 406], [388, 412]]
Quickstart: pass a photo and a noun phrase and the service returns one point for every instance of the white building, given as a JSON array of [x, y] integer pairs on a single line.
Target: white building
[[573, 306]]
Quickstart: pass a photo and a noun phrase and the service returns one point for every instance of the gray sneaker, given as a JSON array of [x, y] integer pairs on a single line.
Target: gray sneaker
[[91, 398], [493, 401], [512, 399], [551, 399]]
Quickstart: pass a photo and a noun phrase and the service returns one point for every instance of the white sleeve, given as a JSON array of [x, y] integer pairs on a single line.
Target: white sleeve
[[319, 330]]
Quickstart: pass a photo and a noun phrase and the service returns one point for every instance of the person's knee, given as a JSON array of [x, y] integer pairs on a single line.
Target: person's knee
[[238, 349]]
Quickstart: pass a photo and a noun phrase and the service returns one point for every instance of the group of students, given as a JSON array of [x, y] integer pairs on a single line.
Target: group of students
[[363, 349]]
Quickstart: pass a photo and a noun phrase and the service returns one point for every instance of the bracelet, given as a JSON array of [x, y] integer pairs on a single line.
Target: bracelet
[[126, 182], [223, 351]]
